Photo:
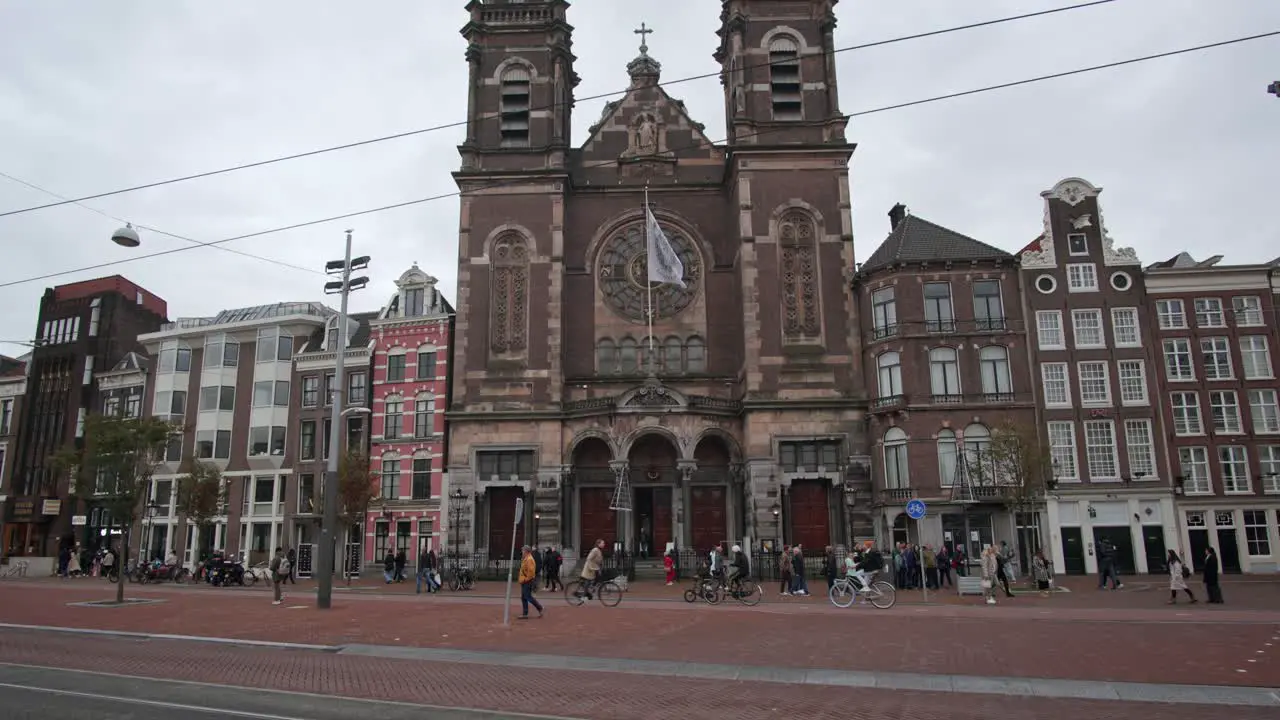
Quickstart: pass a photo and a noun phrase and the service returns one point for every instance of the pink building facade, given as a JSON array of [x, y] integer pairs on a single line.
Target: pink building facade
[[410, 342]]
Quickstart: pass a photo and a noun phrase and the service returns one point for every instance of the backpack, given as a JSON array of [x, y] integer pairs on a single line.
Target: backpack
[[282, 570]]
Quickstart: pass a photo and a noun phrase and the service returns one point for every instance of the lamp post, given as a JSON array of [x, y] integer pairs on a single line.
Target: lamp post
[[328, 526], [533, 542], [148, 514], [455, 509]]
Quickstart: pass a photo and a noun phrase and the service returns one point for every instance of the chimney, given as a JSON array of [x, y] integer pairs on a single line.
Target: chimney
[[896, 215]]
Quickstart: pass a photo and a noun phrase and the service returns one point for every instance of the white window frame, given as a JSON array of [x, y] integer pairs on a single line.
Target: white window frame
[[1264, 411], [1247, 314], [1132, 376], [1072, 251], [1139, 441], [1046, 382], [1171, 314], [1082, 277], [1126, 318], [1233, 464], [1092, 366], [889, 374], [1192, 417], [1215, 355], [1048, 327], [1098, 454], [1172, 348], [1229, 420], [1193, 466], [1092, 314], [1250, 369], [1262, 529], [1269, 468], [1209, 312], [1064, 455]]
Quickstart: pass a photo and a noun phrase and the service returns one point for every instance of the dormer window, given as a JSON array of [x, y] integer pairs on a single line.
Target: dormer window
[[514, 107], [331, 333], [784, 79], [413, 301]]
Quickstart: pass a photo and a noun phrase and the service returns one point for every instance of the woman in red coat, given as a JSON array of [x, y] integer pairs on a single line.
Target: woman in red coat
[[669, 564]]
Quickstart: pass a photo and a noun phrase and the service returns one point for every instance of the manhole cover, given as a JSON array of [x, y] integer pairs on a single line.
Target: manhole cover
[[113, 604]]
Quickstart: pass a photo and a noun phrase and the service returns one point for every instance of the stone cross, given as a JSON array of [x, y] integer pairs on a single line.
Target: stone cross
[[644, 32]]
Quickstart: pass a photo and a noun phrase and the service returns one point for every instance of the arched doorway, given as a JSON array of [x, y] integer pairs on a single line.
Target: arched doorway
[[709, 495], [595, 481], [652, 461]]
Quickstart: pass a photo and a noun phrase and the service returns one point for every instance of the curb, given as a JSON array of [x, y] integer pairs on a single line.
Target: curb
[[165, 636]]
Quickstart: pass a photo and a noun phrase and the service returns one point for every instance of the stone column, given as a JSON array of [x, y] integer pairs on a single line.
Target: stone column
[[625, 521], [681, 500]]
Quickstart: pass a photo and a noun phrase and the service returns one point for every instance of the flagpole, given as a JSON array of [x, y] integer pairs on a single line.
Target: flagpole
[[648, 249]]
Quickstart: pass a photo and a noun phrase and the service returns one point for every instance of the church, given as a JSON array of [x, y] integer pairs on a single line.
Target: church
[[650, 415]]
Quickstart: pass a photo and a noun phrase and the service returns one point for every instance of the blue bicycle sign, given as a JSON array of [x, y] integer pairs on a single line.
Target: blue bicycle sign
[[916, 509]]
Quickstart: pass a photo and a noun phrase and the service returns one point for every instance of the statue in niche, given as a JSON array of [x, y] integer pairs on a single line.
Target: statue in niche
[[647, 136], [735, 80]]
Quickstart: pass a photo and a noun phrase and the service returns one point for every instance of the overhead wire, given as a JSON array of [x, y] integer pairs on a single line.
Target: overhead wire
[[156, 230], [550, 107], [676, 151]]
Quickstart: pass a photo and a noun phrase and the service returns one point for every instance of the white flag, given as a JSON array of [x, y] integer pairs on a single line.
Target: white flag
[[664, 264]]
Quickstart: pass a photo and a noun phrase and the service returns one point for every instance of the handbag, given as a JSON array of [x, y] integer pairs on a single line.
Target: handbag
[[986, 584], [1186, 572]]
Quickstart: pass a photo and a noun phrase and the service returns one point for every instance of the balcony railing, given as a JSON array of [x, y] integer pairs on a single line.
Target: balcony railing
[[945, 326], [888, 403]]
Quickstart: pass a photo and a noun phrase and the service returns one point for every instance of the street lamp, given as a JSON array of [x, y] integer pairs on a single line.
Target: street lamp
[[533, 542], [329, 525], [455, 509], [126, 236], [148, 514]]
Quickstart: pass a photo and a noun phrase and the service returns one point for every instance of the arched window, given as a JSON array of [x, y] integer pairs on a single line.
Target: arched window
[[784, 78], [977, 455], [695, 354], [944, 373], [896, 475], [672, 350], [993, 361], [801, 318], [650, 355], [509, 313], [890, 367], [606, 357], [946, 457], [628, 358], [514, 107]]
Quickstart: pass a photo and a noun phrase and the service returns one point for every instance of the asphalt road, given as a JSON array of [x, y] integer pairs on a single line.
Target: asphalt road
[[30, 693]]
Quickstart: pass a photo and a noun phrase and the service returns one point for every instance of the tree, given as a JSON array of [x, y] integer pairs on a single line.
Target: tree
[[113, 467], [201, 496], [357, 486], [1018, 464]]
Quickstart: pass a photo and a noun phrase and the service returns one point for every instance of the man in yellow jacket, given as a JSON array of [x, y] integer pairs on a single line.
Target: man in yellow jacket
[[528, 578]]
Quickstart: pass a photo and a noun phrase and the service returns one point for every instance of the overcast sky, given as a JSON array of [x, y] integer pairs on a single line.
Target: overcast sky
[[100, 95]]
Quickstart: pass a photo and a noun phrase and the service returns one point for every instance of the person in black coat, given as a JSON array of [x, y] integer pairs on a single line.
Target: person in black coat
[[1211, 586]]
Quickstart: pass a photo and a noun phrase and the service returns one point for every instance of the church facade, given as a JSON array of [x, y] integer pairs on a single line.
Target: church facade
[[730, 410]]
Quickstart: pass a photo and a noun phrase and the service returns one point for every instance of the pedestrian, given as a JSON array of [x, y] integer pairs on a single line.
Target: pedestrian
[[389, 567], [528, 579], [280, 569], [990, 566], [1107, 565], [930, 561], [829, 566], [401, 561], [943, 559], [423, 575], [555, 561], [292, 557], [1041, 572], [784, 569], [1178, 574], [669, 565], [799, 585], [1001, 575], [1212, 589]]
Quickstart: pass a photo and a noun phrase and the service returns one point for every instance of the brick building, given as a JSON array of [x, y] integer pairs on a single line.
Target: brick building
[[945, 353], [741, 413], [313, 378], [1214, 330], [410, 343], [228, 378], [1097, 389], [13, 388], [82, 329]]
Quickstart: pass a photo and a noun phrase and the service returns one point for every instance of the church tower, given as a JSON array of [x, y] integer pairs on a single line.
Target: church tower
[[790, 182]]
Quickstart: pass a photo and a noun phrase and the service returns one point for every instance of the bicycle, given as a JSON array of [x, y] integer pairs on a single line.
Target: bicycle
[[744, 591], [879, 593], [17, 568], [579, 591], [460, 578], [704, 587]]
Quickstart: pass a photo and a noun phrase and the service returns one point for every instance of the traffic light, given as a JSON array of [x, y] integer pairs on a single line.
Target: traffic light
[[1274, 88]]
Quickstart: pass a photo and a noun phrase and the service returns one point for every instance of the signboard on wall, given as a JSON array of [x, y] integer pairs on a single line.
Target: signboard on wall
[[51, 507]]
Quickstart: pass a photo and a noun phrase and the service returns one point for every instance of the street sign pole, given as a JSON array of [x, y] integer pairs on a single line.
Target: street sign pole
[[515, 524], [916, 510]]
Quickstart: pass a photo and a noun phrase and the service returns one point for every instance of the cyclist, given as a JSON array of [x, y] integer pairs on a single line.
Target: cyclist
[[864, 567], [591, 567], [739, 568]]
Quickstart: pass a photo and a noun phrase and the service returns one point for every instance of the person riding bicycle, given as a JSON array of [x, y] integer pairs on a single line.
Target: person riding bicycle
[[739, 568], [864, 567], [591, 567]]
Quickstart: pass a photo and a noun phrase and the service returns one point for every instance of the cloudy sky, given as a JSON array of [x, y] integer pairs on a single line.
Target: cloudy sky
[[103, 95]]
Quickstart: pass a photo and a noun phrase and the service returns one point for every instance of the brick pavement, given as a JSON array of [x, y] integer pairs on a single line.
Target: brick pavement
[[854, 639], [571, 694]]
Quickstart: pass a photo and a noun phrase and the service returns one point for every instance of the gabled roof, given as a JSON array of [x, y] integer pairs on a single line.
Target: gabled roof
[[915, 239], [359, 339], [132, 361]]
